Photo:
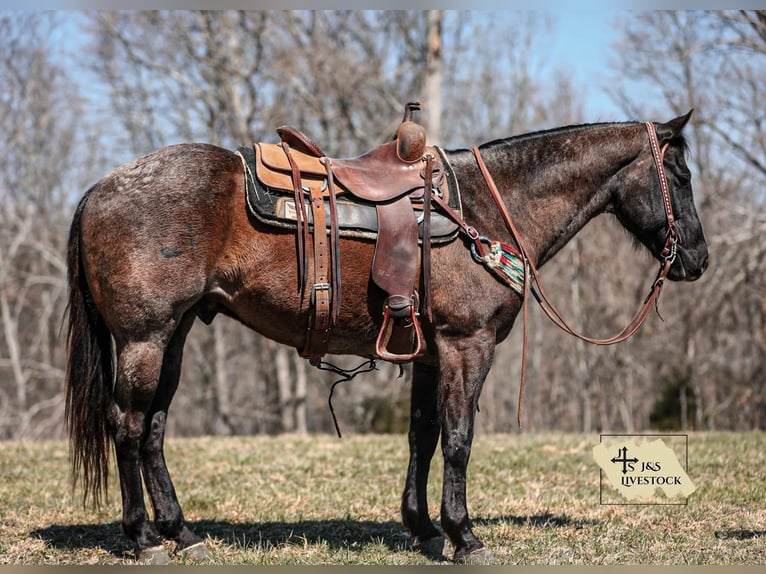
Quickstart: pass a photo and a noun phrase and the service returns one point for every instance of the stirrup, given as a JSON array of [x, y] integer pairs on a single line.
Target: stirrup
[[384, 337]]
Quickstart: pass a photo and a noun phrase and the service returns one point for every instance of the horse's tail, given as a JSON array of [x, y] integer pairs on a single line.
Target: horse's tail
[[89, 376]]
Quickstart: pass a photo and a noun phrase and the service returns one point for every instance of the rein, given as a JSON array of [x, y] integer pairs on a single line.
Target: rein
[[667, 255]]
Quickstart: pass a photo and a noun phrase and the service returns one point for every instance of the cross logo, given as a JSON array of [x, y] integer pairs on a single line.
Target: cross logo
[[624, 460]]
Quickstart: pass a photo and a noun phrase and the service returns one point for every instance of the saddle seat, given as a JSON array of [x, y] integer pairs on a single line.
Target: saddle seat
[[377, 176], [391, 178]]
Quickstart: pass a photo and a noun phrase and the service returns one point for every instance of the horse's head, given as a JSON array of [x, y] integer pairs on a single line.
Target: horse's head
[[640, 207]]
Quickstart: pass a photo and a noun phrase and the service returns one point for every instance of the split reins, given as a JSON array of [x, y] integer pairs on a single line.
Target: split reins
[[667, 256]]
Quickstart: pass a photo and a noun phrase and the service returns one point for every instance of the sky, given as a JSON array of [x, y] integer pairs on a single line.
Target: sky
[[581, 43]]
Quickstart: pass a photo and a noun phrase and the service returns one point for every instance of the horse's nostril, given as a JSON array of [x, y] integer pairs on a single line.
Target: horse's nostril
[[704, 263]]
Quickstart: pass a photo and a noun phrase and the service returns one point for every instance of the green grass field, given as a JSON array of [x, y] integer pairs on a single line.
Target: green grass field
[[534, 499]]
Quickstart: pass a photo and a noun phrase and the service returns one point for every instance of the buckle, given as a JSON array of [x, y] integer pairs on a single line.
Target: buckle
[[320, 287], [307, 189]]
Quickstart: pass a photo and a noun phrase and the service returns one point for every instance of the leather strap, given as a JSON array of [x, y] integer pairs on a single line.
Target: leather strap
[[426, 246], [668, 255], [302, 235], [658, 155], [319, 325], [298, 140], [334, 241], [321, 295], [469, 230]]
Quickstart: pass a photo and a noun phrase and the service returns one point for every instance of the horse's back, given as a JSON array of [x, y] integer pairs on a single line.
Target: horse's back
[[172, 176]]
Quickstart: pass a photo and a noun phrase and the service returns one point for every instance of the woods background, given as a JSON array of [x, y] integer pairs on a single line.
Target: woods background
[[84, 92]]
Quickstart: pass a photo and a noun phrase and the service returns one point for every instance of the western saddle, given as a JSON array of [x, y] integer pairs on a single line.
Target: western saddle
[[396, 178]]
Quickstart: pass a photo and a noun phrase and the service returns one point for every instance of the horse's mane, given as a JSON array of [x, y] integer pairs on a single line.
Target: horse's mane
[[500, 143], [560, 130]]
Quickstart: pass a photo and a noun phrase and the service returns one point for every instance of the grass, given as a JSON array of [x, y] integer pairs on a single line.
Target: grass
[[534, 499]]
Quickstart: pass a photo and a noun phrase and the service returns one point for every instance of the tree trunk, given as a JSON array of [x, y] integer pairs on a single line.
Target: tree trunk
[[301, 423], [286, 398], [222, 419], [432, 83]]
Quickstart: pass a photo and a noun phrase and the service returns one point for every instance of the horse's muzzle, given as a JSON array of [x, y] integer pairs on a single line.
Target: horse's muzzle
[[689, 266]]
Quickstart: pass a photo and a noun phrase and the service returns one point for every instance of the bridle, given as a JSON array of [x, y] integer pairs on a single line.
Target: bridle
[[667, 256]]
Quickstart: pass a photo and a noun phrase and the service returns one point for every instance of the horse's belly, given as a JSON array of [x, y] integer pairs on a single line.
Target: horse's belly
[[352, 334], [266, 297]]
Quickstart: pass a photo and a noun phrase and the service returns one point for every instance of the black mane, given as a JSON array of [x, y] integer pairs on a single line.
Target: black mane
[[501, 143]]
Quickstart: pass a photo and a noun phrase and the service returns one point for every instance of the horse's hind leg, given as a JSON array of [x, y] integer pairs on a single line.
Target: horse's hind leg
[[138, 372], [423, 437], [168, 516]]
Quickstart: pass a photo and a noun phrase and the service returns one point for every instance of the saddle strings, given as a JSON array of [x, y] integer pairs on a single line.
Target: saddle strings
[[347, 375]]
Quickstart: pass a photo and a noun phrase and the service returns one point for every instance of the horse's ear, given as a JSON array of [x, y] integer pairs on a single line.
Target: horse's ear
[[672, 129]]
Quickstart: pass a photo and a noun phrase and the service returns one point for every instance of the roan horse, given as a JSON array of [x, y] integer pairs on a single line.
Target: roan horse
[[166, 238]]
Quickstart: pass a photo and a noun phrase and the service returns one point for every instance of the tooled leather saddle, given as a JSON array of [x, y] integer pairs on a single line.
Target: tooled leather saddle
[[382, 195]]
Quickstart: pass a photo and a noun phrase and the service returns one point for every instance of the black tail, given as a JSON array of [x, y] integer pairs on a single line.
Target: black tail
[[89, 377]]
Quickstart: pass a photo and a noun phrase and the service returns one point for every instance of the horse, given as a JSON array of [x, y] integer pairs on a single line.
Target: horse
[[166, 238]]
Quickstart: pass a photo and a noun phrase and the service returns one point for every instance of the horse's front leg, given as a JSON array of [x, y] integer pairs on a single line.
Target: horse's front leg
[[464, 364], [423, 437]]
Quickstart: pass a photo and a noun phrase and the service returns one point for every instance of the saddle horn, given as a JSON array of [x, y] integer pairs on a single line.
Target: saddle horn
[[410, 136]]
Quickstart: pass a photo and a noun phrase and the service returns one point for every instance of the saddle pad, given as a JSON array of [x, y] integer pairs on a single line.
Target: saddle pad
[[356, 218]]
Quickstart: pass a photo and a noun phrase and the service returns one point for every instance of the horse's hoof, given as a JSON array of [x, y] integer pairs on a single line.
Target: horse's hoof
[[431, 547], [480, 556], [155, 556], [195, 554]]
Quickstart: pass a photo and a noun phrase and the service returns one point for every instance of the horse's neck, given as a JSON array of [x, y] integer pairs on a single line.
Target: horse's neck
[[553, 183]]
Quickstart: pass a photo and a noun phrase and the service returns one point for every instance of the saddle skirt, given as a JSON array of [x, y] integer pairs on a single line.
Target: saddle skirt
[[360, 184]]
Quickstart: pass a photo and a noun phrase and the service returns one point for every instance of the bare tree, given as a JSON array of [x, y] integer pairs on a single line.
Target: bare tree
[[714, 62], [433, 81], [39, 112]]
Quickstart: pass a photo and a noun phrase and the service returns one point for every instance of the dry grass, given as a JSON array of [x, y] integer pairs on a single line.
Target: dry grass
[[323, 500]]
